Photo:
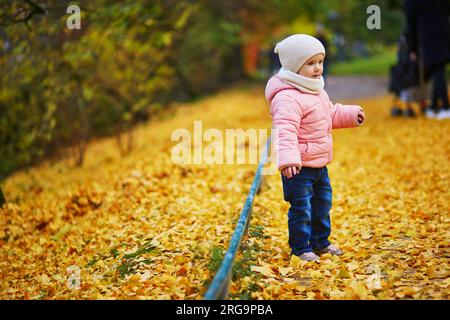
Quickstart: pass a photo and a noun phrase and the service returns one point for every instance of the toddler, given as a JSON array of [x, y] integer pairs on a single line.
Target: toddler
[[303, 117]]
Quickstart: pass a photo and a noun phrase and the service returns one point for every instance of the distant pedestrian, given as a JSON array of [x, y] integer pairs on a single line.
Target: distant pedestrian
[[403, 80], [429, 28]]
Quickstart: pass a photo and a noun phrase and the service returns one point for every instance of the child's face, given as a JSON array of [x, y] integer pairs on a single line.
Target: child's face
[[313, 67]]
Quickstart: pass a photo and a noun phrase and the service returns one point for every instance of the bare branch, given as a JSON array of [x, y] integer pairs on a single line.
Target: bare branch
[[21, 14]]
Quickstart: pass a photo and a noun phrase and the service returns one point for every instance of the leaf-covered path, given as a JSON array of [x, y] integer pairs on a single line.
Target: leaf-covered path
[[141, 227]]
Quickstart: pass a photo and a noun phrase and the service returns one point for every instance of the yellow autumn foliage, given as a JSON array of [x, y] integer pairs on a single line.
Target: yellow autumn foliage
[[141, 227]]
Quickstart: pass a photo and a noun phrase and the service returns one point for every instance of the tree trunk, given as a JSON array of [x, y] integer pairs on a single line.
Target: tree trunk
[[80, 154], [84, 129], [182, 79], [125, 140], [130, 144], [119, 141], [2, 197]]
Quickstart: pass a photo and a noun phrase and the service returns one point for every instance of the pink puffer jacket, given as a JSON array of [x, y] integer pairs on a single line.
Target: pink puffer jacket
[[304, 122]]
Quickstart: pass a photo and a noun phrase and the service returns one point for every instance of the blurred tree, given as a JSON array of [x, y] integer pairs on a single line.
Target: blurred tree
[[12, 12], [348, 18], [97, 80]]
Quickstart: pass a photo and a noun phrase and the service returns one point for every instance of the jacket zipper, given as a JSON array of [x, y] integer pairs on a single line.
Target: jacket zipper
[[327, 112]]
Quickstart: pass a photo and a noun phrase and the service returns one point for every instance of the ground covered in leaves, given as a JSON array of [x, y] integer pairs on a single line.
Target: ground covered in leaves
[[141, 227]]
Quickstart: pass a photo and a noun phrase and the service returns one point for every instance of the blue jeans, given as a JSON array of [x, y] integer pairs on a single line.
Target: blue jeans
[[309, 193]]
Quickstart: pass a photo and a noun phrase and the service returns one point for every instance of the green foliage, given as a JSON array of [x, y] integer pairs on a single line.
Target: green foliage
[[129, 262], [349, 18], [207, 53], [216, 257], [257, 231], [242, 268], [63, 86], [377, 65], [352, 16], [146, 248]]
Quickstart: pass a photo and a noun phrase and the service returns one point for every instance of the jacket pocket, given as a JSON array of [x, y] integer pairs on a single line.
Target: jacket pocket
[[305, 147], [309, 148]]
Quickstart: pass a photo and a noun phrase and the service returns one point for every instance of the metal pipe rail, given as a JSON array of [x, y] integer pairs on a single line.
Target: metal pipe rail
[[218, 289]]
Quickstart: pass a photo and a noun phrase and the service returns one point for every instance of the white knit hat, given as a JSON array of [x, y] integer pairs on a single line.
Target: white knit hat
[[295, 50]]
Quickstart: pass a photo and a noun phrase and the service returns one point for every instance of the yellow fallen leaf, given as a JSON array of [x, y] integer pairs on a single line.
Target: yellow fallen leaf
[[284, 271], [394, 275], [133, 281], [297, 263], [408, 291], [446, 282], [61, 232], [373, 282], [359, 288], [343, 273], [146, 275], [310, 296], [336, 294], [44, 279], [266, 271], [366, 235], [352, 266], [316, 274], [37, 249], [410, 233]]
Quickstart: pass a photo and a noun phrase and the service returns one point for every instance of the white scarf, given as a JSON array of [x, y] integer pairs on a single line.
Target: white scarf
[[302, 83]]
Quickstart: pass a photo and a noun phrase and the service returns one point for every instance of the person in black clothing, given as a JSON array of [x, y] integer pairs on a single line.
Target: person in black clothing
[[403, 79], [429, 28]]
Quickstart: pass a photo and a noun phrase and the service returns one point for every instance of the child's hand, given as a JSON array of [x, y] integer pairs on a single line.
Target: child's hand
[[361, 117], [291, 171]]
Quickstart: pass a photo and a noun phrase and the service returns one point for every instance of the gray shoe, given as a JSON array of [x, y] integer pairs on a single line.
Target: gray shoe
[[309, 256], [332, 249]]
